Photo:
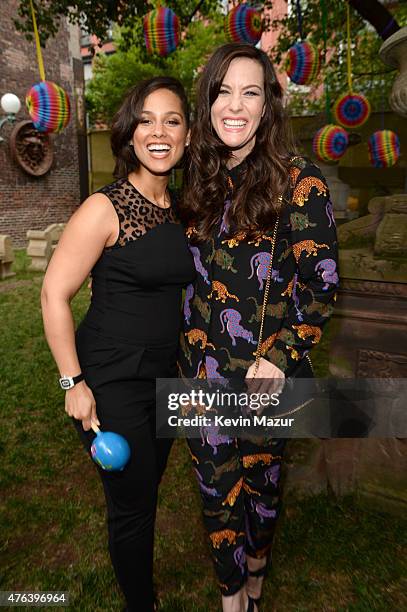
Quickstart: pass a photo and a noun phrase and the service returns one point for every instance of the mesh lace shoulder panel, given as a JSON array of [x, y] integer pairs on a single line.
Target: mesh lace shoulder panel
[[135, 213]]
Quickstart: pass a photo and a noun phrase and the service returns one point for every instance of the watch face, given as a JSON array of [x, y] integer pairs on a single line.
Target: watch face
[[66, 383]]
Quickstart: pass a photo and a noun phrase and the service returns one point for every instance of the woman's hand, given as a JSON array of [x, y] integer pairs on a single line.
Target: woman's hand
[[80, 404], [269, 378]]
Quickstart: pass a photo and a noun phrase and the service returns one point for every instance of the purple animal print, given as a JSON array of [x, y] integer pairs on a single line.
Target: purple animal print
[[232, 319], [210, 434], [224, 225], [207, 490], [326, 269], [296, 299], [189, 292], [329, 209], [262, 511], [239, 557], [261, 261], [272, 474], [275, 277], [211, 367], [198, 264]]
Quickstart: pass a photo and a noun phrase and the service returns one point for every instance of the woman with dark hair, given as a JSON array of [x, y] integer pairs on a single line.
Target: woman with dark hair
[[128, 236], [263, 238]]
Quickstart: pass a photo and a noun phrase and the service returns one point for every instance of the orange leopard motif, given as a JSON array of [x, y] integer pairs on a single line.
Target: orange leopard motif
[[256, 241], [303, 189], [218, 537], [289, 290], [266, 458], [222, 292], [233, 493], [304, 331], [267, 344], [294, 173], [194, 335], [309, 246], [234, 241]]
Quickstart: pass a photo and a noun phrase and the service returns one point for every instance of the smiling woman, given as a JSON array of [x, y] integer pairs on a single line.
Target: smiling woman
[[260, 229], [128, 236]]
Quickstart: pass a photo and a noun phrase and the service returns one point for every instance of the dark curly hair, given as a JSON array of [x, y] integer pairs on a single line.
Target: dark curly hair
[[127, 118], [264, 176]]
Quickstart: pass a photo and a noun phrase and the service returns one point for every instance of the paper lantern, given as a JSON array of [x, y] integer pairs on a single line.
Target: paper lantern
[[161, 31], [330, 142], [243, 24], [351, 110], [384, 148], [303, 63], [48, 106]]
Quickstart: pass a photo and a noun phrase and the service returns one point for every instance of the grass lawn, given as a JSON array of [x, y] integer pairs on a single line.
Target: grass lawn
[[328, 555]]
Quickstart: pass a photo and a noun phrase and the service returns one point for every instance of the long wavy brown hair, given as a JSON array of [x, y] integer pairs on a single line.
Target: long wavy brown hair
[[265, 173]]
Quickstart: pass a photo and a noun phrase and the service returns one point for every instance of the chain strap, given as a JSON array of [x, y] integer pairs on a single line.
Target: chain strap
[[266, 294]]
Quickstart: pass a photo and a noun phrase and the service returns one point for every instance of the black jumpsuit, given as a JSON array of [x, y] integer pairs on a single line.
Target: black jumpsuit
[[128, 338]]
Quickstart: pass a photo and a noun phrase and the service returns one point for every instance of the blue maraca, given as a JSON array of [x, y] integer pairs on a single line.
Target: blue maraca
[[109, 450]]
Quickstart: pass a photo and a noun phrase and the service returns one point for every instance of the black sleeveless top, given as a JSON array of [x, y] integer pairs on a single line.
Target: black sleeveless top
[[137, 283]]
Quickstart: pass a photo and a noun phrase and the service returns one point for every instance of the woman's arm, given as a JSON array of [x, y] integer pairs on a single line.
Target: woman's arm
[[313, 290], [93, 226]]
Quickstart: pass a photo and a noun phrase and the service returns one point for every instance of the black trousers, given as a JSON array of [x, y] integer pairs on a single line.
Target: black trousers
[[122, 379]]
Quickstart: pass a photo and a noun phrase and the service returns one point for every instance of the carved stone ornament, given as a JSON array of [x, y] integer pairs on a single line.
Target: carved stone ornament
[[31, 150], [394, 53]]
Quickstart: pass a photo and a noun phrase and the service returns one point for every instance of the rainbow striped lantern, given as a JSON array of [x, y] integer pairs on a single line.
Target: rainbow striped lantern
[[48, 106], [304, 61], [384, 148], [330, 142], [351, 110], [161, 31], [243, 24]]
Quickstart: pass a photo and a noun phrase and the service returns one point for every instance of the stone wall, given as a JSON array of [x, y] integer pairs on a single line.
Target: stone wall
[[27, 202]]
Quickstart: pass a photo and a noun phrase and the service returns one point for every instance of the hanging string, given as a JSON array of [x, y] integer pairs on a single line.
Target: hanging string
[[326, 81], [37, 43], [348, 48], [299, 19]]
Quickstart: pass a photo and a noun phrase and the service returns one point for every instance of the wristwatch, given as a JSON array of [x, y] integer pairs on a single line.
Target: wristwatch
[[67, 382]]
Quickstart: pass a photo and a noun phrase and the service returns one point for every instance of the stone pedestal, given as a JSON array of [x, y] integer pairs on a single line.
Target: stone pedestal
[[6, 257], [393, 52]]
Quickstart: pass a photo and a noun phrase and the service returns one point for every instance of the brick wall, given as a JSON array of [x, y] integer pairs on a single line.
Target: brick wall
[[27, 202]]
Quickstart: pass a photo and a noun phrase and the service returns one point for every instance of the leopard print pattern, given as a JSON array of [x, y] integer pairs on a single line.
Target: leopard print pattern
[[196, 335], [309, 246], [228, 535], [222, 291], [304, 331], [136, 214]]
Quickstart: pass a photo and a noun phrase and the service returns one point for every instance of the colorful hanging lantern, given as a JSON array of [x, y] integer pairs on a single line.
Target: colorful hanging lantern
[[161, 31], [48, 106], [243, 24], [384, 148], [351, 110], [303, 63], [330, 142]]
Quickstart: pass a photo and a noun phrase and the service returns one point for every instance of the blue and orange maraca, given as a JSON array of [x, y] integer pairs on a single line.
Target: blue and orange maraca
[[109, 450]]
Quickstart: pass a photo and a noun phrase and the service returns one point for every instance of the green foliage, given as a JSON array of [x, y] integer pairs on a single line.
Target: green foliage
[[113, 75], [370, 76], [96, 15]]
